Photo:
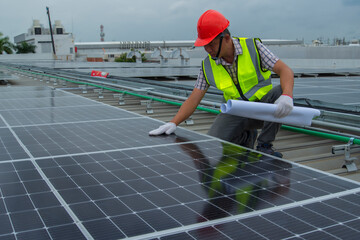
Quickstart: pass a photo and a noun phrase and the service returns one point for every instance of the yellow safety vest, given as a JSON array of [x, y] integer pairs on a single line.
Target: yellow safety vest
[[253, 82]]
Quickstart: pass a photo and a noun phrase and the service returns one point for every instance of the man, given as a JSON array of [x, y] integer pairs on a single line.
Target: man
[[241, 68]]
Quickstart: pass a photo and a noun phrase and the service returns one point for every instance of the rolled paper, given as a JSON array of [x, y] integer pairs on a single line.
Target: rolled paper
[[301, 116]]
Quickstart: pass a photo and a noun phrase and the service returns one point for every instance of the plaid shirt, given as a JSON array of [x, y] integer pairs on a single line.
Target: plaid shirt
[[268, 60]]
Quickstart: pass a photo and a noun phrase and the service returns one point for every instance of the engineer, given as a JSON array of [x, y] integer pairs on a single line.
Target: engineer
[[241, 69]]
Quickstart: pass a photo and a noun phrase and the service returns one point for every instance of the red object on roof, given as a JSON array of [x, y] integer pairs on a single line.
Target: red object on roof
[[99, 74]]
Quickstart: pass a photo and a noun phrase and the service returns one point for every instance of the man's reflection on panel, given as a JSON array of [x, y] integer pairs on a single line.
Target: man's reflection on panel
[[239, 181]]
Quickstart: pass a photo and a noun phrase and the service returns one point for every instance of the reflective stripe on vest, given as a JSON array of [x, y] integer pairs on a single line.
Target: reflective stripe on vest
[[253, 82]]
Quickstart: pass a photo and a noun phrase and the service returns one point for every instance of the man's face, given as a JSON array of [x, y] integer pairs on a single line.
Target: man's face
[[212, 47]]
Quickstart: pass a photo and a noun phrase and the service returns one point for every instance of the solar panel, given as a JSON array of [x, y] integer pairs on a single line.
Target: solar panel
[[90, 171], [339, 90], [49, 102], [336, 218], [69, 114], [30, 92]]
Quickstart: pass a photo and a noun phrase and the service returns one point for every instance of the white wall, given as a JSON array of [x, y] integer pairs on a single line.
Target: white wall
[[28, 56]]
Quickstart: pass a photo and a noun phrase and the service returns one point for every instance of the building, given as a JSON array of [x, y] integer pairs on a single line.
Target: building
[[40, 36], [108, 51], [163, 50]]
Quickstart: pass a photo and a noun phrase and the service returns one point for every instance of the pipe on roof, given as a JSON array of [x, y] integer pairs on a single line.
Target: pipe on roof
[[321, 134]]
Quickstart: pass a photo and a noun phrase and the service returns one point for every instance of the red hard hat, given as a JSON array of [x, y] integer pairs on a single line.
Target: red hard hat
[[210, 24]]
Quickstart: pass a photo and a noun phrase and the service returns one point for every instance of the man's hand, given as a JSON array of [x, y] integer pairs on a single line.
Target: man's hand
[[167, 128], [284, 106]]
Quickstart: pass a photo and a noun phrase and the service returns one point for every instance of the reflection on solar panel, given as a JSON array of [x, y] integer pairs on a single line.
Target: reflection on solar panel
[[72, 168]]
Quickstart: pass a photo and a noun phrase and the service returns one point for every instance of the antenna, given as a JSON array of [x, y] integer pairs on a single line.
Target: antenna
[[102, 34], [51, 32]]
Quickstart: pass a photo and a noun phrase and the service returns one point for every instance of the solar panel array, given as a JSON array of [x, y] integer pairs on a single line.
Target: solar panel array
[[73, 168], [338, 90]]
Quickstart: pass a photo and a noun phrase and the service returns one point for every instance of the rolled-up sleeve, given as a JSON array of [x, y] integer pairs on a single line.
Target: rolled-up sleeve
[[201, 81], [268, 59]]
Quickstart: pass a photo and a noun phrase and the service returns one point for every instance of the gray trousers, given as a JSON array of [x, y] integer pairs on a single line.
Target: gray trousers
[[243, 131]]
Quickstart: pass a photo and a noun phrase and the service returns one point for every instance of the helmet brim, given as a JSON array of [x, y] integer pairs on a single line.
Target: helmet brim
[[200, 42]]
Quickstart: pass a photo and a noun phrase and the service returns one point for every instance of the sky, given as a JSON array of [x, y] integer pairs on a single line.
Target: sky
[[158, 20]]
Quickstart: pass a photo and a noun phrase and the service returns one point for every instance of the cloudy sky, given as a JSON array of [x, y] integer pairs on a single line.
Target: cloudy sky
[[143, 20]]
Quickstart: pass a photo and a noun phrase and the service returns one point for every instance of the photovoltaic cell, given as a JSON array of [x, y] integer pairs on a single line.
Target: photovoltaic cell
[[80, 171], [28, 212], [10, 148], [2, 124]]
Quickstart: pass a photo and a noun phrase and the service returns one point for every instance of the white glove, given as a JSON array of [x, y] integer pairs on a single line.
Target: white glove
[[284, 106], [167, 128]]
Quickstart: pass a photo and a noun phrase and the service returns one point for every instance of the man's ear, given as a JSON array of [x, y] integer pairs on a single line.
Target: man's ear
[[227, 37]]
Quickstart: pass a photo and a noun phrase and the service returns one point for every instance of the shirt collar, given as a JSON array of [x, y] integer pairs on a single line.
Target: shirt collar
[[238, 51]]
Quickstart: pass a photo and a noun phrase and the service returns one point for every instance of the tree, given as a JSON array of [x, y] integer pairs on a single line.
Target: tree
[[5, 45], [25, 47], [123, 57]]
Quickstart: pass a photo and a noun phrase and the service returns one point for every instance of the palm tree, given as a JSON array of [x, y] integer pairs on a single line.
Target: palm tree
[[5, 45], [25, 47]]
